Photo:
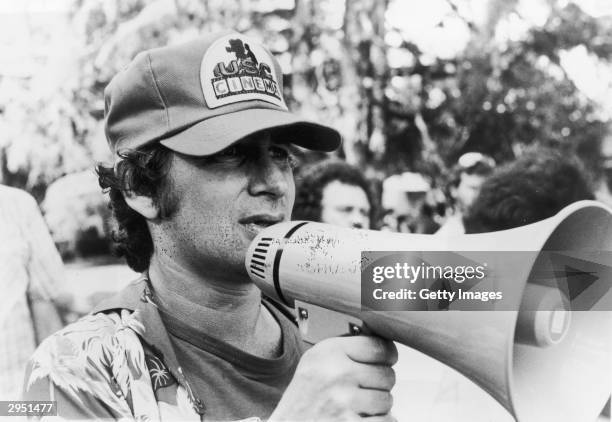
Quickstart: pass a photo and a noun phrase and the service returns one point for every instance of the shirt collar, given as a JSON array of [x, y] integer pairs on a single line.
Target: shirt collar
[[137, 297]]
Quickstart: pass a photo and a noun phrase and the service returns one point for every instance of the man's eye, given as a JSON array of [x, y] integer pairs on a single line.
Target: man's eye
[[279, 153], [228, 152], [283, 155]]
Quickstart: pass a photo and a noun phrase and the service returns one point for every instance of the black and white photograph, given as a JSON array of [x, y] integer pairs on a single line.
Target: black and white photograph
[[306, 210]]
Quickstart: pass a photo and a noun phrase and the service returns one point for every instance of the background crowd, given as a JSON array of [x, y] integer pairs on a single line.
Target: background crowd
[[459, 116]]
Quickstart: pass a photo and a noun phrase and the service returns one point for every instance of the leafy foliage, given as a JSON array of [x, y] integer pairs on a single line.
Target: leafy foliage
[[397, 107]]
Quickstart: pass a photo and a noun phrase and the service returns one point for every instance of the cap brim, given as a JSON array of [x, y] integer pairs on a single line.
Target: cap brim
[[214, 134]]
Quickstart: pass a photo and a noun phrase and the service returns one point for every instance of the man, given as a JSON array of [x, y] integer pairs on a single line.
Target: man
[[203, 164], [33, 289], [334, 192], [468, 175], [404, 200], [536, 186]]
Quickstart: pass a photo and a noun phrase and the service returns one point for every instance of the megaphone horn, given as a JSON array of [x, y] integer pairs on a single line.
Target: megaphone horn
[[540, 360]]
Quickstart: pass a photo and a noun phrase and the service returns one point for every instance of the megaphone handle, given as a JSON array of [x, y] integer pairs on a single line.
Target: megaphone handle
[[317, 323]]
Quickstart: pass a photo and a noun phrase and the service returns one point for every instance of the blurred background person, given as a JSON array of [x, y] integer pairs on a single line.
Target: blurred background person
[[467, 177], [603, 180], [334, 192], [32, 282], [536, 186], [404, 201]]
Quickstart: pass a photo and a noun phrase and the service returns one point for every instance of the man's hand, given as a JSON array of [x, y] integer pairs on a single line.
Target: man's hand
[[341, 379]]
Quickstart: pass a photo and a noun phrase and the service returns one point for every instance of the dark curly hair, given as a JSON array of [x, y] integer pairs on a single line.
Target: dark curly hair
[[534, 187], [143, 172], [312, 180]]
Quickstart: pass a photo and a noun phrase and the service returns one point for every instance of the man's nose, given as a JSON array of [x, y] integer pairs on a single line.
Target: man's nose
[[267, 178]]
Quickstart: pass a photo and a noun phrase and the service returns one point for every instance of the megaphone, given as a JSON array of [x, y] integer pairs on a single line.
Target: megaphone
[[536, 370]]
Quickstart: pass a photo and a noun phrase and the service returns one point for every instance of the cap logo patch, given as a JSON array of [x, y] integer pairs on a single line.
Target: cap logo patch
[[237, 68]]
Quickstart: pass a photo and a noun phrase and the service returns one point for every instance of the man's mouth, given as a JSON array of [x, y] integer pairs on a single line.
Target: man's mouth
[[255, 223]]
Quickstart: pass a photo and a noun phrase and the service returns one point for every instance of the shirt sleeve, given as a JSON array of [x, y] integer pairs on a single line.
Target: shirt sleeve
[[45, 267], [89, 369], [75, 404]]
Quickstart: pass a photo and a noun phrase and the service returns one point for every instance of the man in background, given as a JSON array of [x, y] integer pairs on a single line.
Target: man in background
[[532, 188], [32, 284], [468, 175], [404, 201], [334, 192], [536, 186]]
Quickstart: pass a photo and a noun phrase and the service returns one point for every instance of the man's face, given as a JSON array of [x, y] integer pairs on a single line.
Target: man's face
[[468, 189], [402, 209], [224, 200], [345, 205], [410, 210]]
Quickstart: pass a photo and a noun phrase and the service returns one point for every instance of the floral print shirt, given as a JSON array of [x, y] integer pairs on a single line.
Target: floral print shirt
[[107, 366]]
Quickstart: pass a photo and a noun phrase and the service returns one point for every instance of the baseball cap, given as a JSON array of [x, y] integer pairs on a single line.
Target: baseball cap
[[199, 97]]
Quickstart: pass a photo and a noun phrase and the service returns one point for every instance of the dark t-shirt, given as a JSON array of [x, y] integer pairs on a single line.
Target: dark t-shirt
[[232, 383]]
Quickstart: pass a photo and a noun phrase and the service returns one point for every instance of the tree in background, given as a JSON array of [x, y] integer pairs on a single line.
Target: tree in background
[[355, 65]]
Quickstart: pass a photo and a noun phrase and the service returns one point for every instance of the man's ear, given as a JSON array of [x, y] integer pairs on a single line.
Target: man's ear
[[143, 205]]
